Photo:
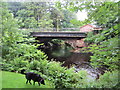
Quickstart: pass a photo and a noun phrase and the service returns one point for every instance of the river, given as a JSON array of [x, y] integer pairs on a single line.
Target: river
[[70, 58]]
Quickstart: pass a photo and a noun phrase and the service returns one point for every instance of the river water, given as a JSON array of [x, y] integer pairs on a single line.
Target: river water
[[70, 58]]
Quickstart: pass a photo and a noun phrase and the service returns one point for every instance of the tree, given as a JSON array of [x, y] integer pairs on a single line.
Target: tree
[[14, 53], [104, 44], [68, 16], [10, 32], [36, 14], [45, 22], [26, 19], [56, 16], [106, 47], [14, 7]]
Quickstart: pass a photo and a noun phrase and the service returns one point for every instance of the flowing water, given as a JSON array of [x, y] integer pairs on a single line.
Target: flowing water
[[69, 58]]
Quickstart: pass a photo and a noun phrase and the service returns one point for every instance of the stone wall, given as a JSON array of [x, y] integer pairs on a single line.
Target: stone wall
[[76, 43]]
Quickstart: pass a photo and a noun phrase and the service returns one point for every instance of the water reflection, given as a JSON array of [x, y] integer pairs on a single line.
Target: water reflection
[[66, 55], [61, 51]]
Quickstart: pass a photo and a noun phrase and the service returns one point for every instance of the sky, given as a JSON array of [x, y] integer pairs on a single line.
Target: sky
[[81, 15]]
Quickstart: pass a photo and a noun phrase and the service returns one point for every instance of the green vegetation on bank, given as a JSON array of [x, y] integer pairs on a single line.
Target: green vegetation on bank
[[104, 45]]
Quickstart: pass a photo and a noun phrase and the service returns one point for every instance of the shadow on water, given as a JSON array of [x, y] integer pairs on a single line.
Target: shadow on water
[[66, 55]]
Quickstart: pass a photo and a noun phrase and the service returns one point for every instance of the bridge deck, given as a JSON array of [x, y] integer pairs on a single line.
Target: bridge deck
[[58, 34]]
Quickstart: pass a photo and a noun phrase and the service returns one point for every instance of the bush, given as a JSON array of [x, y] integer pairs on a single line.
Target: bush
[[108, 80]]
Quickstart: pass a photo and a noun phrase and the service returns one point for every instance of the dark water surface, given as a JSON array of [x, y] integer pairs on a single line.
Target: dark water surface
[[67, 55], [69, 58]]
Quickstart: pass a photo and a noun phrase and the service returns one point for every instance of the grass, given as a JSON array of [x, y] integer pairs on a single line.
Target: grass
[[16, 80], [0, 80]]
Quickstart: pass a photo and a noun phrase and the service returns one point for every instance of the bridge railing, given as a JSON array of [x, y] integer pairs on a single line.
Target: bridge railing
[[53, 29], [27, 31]]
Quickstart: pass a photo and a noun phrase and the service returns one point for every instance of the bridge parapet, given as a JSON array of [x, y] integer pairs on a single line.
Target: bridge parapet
[[58, 34], [52, 29]]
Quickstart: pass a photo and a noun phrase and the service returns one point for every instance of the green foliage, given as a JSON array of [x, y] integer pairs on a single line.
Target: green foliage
[[109, 77], [18, 56], [61, 76], [66, 21], [42, 15], [105, 47], [14, 7], [10, 32], [106, 14], [108, 80], [33, 15], [45, 22], [33, 65], [59, 5], [105, 54], [26, 56], [57, 41], [90, 38], [57, 16], [26, 19], [77, 23]]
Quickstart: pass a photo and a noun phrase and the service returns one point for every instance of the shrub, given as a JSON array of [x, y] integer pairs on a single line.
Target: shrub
[[108, 80]]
